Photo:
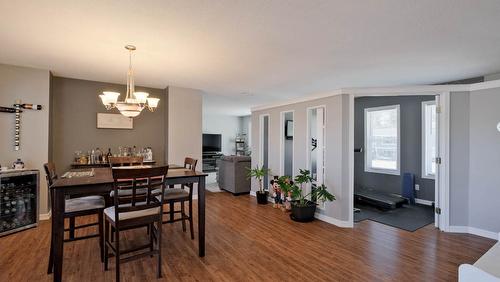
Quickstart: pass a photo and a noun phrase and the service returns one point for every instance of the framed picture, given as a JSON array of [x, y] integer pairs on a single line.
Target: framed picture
[[114, 121], [289, 129]]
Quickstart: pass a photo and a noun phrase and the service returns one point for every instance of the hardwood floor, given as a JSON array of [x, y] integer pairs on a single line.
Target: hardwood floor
[[246, 242]]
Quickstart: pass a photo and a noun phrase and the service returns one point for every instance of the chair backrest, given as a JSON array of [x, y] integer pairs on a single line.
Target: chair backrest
[[50, 172], [190, 163], [133, 179], [125, 161]]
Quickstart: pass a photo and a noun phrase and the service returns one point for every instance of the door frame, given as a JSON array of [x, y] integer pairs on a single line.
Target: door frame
[[442, 175], [282, 143]]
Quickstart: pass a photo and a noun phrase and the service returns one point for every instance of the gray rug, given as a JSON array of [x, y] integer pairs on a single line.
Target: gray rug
[[408, 217]]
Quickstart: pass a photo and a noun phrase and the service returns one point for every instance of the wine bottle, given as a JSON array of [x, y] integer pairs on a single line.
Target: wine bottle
[[31, 106], [108, 155]]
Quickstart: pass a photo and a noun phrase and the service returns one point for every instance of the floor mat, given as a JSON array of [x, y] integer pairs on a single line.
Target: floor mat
[[408, 217]]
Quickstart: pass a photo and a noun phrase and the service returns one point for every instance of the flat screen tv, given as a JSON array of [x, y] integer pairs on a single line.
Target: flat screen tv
[[212, 142]]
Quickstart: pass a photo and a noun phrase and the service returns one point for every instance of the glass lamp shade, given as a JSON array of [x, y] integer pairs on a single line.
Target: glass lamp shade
[[111, 97], [141, 97], [153, 103], [129, 109], [105, 101]]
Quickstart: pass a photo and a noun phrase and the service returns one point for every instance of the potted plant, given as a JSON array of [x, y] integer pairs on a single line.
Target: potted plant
[[304, 206], [259, 173]]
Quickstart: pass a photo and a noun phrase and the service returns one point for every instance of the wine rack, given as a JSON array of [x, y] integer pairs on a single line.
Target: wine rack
[[19, 190]]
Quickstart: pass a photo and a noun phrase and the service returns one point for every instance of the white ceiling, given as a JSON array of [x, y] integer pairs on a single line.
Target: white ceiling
[[272, 49]]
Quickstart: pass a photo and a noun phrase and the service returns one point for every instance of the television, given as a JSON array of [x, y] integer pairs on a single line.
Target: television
[[212, 142]]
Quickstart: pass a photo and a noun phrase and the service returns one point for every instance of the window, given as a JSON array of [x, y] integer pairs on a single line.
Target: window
[[429, 139], [382, 140]]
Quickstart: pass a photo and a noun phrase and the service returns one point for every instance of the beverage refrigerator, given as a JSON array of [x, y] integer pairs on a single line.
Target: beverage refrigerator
[[19, 193]]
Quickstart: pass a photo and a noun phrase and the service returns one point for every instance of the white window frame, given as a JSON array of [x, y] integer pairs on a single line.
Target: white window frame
[[424, 173], [321, 206], [282, 143], [368, 168]]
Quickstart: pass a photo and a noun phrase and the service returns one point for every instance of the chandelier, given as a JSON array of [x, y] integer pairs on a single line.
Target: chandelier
[[134, 102]]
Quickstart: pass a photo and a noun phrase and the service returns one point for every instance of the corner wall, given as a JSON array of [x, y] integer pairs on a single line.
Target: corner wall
[[184, 124]]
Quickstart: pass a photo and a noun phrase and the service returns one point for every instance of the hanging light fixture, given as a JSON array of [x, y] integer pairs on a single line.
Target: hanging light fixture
[[134, 102]]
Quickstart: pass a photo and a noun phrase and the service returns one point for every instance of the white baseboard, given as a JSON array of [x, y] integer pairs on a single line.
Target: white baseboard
[[45, 216], [334, 221], [423, 202], [475, 231], [253, 193]]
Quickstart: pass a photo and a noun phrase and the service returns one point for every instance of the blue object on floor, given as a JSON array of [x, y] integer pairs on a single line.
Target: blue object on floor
[[408, 187]]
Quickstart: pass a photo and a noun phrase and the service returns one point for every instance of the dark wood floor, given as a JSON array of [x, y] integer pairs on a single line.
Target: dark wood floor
[[246, 242]]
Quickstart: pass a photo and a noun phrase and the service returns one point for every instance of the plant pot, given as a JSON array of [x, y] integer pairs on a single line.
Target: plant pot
[[303, 213], [262, 197]]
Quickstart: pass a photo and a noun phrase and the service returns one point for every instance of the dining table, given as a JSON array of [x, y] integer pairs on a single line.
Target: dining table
[[100, 182]]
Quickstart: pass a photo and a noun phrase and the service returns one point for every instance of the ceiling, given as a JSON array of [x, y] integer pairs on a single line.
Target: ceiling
[[273, 50]]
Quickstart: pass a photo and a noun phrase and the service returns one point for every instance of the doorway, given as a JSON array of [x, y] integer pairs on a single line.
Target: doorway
[[395, 153]]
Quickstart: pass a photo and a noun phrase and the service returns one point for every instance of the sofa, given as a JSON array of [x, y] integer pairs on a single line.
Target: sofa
[[486, 269], [232, 176]]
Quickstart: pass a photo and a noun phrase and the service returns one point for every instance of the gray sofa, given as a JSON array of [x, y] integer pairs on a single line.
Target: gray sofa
[[233, 172]]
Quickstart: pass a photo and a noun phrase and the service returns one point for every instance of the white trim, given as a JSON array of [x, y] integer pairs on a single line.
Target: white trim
[[474, 231], [424, 135], [308, 143], [261, 141], [396, 171], [45, 216], [282, 142], [484, 85], [386, 91], [253, 193], [424, 202], [334, 221], [443, 172], [351, 160]]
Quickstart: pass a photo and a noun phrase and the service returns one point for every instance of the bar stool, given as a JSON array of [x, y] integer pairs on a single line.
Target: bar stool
[[76, 207], [180, 195], [138, 211]]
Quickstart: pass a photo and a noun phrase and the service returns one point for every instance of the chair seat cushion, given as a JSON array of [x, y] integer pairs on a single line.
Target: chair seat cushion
[[110, 212], [84, 203], [173, 194], [128, 192]]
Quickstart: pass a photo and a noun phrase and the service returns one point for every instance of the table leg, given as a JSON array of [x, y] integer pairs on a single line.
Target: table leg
[[201, 216], [58, 233]]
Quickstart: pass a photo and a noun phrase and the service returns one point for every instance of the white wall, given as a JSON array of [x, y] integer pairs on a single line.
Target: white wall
[[228, 126], [31, 86], [184, 124]]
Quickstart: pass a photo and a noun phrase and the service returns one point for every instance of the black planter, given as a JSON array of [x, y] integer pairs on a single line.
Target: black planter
[[262, 197], [303, 213]]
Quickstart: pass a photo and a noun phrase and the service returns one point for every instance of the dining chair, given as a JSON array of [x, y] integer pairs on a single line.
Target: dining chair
[[135, 211], [125, 161], [180, 195], [76, 207]]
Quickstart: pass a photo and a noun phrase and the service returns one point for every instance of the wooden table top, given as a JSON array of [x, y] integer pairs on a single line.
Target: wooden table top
[[104, 176]]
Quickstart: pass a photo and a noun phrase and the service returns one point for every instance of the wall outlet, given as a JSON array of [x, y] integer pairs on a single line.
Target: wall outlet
[[417, 187]]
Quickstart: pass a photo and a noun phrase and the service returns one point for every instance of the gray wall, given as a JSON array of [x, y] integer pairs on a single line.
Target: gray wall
[[484, 159], [31, 86], [336, 159], [184, 124], [459, 159], [76, 104], [411, 145]]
